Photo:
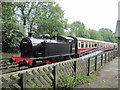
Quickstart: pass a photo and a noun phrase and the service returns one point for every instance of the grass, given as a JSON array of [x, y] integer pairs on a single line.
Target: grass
[[2, 53], [101, 81], [71, 81], [110, 77]]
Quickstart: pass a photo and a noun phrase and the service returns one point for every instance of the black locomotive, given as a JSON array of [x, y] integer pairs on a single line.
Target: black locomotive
[[45, 50]]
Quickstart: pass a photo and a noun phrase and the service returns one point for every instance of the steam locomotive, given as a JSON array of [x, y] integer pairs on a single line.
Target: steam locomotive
[[48, 50]]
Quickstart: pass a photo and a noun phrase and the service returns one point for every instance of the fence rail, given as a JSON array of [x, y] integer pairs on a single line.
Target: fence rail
[[49, 76]]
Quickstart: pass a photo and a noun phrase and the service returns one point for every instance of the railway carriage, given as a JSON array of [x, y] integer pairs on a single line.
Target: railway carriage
[[49, 50], [84, 45]]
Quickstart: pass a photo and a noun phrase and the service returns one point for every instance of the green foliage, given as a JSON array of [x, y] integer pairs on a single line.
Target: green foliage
[[107, 35], [12, 33], [95, 35], [67, 82], [8, 63], [51, 21], [71, 81], [78, 29], [42, 18]]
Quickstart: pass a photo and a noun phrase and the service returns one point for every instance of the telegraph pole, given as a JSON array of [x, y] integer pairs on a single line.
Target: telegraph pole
[[119, 29], [117, 33]]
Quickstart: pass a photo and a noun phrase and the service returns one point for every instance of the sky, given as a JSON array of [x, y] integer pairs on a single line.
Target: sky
[[95, 14]]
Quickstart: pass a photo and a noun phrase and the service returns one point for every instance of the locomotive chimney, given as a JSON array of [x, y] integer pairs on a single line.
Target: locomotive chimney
[[30, 34]]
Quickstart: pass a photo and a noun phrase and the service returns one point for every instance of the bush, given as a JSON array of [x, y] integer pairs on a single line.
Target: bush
[[71, 81]]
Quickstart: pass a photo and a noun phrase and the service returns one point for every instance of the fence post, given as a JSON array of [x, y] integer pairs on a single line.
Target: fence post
[[108, 57], [55, 77], [95, 63], [75, 68], [23, 80], [105, 57], [111, 55], [88, 66], [101, 59]]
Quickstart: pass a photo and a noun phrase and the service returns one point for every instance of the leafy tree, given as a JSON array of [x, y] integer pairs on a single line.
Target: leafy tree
[[107, 34], [12, 32], [115, 39], [42, 17], [51, 20], [27, 13], [95, 35], [78, 29]]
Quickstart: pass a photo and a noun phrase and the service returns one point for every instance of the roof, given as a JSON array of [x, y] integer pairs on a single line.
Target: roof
[[92, 40], [69, 38]]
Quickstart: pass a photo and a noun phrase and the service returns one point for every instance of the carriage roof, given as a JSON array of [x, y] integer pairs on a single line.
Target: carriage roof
[[92, 40]]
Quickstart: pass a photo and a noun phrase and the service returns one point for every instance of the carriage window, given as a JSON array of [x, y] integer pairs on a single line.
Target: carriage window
[[82, 44], [89, 45], [92, 45], [95, 45], [86, 44], [79, 44]]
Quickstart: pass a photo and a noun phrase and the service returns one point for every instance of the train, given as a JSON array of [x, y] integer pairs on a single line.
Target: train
[[48, 50]]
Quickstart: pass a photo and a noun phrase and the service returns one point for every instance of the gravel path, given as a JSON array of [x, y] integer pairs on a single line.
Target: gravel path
[[107, 77]]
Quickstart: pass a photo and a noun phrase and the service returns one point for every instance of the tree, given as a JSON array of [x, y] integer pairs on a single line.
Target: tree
[[107, 34], [27, 13], [78, 29], [42, 17], [95, 35], [51, 20], [12, 32]]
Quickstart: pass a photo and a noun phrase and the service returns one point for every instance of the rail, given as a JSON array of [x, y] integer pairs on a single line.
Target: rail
[[7, 67]]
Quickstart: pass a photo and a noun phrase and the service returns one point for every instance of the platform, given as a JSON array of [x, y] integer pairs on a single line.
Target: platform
[[106, 77]]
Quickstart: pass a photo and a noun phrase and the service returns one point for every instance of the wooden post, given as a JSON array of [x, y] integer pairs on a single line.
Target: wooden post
[[108, 57], [117, 33], [75, 68], [24, 80], [111, 56], [101, 59], [88, 66], [105, 57], [55, 77], [118, 46], [95, 63]]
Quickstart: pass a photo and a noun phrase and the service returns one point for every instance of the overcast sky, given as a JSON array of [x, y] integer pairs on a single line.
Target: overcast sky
[[95, 14]]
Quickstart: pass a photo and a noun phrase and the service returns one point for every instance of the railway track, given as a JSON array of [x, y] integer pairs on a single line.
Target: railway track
[[7, 67]]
